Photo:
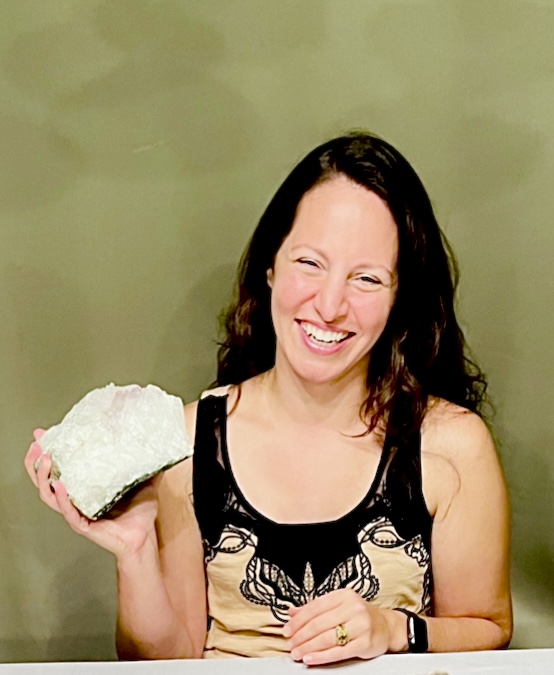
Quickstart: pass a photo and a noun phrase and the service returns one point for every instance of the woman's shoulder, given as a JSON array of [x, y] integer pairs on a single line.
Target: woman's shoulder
[[231, 391], [455, 433], [454, 442]]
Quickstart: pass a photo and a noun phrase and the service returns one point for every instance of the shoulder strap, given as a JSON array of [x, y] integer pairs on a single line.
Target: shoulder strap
[[404, 490], [211, 418], [209, 480]]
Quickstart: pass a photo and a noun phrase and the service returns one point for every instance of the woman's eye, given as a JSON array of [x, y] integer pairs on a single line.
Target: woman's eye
[[368, 283], [369, 280], [307, 261]]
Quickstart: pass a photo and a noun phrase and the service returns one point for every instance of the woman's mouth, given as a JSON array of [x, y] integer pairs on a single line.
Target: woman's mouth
[[324, 337]]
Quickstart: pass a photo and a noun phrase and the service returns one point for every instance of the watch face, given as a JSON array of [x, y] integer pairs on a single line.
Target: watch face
[[417, 634], [416, 627], [411, 631]]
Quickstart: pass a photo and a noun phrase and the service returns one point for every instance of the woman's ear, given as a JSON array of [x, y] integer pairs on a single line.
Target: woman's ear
[[269, 275]]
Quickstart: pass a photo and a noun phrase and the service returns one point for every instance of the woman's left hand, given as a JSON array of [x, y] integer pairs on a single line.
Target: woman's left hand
[[312, 628]]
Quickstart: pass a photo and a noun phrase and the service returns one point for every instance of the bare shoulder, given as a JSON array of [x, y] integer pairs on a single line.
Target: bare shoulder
[[455, 433], [455, 442], [191, 410]]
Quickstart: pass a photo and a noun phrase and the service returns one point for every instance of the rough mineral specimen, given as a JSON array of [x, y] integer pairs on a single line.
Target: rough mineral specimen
[[114, 439]]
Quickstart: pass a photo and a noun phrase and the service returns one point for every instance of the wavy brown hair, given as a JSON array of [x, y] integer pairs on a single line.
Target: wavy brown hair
[[422, 351]]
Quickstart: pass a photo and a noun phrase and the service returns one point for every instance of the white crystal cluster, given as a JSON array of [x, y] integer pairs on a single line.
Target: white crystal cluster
[[114, 439]]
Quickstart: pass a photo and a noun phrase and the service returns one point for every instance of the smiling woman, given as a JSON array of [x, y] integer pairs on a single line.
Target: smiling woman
[[347, 499], [333, 282], [353, 460]]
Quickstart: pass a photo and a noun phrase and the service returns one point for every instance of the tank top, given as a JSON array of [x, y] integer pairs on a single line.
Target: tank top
[[256, 569]]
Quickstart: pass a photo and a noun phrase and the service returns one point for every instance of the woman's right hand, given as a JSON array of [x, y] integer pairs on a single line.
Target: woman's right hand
[[125, 532]]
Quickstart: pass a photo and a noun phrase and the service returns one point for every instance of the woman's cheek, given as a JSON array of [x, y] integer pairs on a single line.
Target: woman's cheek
[[294, 289], [375, 307]]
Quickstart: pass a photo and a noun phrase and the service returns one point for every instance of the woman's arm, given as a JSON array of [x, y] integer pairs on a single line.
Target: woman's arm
[[465, 491], [471, 534], [158, 549], [162, 590]]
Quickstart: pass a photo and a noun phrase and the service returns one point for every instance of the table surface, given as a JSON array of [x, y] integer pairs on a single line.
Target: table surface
[[510, 662]]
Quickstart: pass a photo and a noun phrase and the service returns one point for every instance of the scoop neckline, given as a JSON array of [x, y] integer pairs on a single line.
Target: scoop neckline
[[385, 452]]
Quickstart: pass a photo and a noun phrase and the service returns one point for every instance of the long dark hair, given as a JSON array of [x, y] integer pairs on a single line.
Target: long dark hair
[[422, 351]]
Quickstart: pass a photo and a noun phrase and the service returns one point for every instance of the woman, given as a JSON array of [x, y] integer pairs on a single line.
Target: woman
[[347, 497]]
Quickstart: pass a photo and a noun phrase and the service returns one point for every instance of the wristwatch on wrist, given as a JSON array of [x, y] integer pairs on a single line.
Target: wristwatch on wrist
[[418, 642]]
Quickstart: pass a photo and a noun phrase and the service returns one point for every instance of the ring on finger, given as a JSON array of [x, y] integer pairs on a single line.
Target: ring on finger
[[342, 635]]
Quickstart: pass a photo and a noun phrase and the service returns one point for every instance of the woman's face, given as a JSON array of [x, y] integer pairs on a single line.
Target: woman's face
[[334, 282]]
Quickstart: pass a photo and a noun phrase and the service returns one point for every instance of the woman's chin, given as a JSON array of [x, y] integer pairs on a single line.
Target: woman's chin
[[323, 376]]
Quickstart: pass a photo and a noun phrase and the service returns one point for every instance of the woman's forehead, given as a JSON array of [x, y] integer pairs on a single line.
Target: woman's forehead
[[340, 215]]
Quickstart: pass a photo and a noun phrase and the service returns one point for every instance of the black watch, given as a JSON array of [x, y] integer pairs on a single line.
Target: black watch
[[418, 642]]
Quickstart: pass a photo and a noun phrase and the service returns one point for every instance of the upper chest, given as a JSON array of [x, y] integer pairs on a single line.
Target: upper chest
[[299, 473]]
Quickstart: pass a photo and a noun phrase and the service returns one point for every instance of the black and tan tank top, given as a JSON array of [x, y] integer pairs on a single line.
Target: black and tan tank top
[[256, 569]]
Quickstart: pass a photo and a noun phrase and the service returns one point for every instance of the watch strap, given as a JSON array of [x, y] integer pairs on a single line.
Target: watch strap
[[418, 641]]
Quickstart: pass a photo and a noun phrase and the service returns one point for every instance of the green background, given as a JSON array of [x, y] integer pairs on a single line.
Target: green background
[[140, 141]]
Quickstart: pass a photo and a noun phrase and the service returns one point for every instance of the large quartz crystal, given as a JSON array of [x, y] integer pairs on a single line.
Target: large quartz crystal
[[114, 439]]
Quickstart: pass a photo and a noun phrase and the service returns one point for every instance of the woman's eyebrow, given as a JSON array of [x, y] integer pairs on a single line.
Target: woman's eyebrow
[[375, 266], [313, 249]]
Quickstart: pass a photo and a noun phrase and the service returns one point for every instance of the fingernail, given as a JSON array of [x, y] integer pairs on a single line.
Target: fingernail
[[38, 462], [295, 654], [286, 630], [308, 659]]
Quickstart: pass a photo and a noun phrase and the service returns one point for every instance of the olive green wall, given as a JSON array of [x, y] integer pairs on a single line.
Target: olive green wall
[[139, 142]]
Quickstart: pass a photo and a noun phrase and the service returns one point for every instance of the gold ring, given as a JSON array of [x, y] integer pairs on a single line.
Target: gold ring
[[342, 635]]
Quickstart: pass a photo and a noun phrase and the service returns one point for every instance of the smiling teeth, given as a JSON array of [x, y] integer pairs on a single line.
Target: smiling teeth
[[326, 336]]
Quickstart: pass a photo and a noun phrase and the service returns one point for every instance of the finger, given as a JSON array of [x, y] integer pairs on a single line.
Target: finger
[[38, 433], [30, 462], [97, 531], [332, 655], [322, 624], [43, 479], [320, 641], [310, 610], [75, 520], [103, 532]]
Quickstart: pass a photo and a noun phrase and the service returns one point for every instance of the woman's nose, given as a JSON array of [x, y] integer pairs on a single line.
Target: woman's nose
[[330, 301]]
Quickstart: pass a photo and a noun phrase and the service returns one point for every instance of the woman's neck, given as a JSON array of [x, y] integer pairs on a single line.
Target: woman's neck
[[334, 405]]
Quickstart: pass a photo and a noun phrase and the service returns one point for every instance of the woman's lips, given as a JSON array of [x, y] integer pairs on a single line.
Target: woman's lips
[[323, 341]]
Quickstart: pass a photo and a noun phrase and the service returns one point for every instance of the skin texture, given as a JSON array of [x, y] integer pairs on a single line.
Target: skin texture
[[298, 453]]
